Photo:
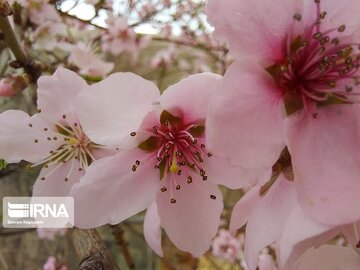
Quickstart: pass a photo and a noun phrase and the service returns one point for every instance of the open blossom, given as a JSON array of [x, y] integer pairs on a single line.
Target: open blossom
[[52, 138], [88, 62], [45, 36], [120, 37], [40, 11], [163, 160], [273, 216], [295, 85], [226, 246]]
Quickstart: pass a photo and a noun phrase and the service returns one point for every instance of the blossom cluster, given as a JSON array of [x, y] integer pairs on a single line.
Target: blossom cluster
[[282, 124]]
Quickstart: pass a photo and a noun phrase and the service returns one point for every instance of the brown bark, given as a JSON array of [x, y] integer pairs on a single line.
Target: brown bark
[[92, 251]]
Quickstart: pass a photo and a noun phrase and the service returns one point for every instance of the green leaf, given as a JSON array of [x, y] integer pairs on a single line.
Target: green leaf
[[3, 164], [167, 117], [151, 144]]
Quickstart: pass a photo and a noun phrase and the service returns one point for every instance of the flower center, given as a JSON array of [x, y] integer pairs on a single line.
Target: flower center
[[74, 145], [178, 152], [321, 66]]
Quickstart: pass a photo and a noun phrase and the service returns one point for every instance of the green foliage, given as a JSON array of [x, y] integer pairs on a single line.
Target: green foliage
[[3, 164]]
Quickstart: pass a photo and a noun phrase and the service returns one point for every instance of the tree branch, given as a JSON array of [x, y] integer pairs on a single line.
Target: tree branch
[[92, 251], [11, 41]]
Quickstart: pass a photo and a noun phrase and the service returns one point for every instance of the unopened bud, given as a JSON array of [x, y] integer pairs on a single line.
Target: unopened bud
[[12, 85]]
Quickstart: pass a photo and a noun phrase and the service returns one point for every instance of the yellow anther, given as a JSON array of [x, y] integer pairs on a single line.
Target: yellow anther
[[73, 141]]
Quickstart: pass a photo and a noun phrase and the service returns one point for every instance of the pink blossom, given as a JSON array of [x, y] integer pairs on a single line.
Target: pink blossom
[[45, 36], [163, 161], [50, 264], [52, 138], [226, 246], [88, 62], [295, 85], [329, 257], [40, 11], [120, 37], [164, 58], [274, 216]]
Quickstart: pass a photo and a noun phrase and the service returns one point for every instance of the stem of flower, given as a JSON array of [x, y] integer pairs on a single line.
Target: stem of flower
[[12, 42]]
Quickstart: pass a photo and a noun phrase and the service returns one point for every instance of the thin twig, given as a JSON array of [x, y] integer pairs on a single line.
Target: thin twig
[[11, 41], [118, 233]]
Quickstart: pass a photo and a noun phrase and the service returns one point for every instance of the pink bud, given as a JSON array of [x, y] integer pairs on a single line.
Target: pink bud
[[11, 85], [6, 88]]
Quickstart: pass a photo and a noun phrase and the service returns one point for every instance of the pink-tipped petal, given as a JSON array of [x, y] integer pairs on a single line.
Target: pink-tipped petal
[[191, 95], [326, 160], [113, 108], [59, 179], [20, 139], [193, 220], [243, 208], [254, 29], [152, 229], [111, 192], [57, 93], [329, 257], [246, 118], [266, 221]]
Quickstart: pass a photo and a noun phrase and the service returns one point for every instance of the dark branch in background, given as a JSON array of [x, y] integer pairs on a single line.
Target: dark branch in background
[[26, 62], [92, 251], [156, 38], [118, 233]]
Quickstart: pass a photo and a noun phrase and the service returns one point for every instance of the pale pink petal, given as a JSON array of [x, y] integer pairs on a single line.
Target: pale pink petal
[[20, 139], [221, 172], [57, 93], [254, 29], [300, 232], [336, 15], [326, 160], [266, 262], [246, 118], [329, 257], [54, 184], [110, 191], [113, 108], [267, 220], [193, 220], [152, 229], [243, 208], [191, 96]]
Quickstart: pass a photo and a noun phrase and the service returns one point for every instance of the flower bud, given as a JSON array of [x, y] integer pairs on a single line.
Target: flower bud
[[12, 85]]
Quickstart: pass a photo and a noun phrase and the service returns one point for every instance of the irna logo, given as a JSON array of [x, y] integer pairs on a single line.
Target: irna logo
[[35, 210]]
